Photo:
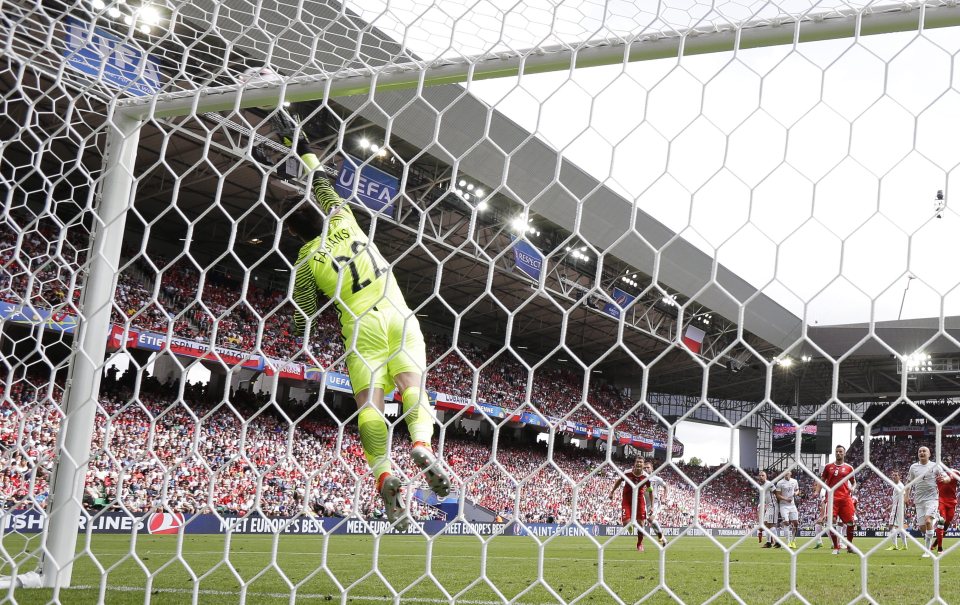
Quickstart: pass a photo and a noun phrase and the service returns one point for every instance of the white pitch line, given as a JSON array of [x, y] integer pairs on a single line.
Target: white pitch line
[[300, 595], [627, 559]]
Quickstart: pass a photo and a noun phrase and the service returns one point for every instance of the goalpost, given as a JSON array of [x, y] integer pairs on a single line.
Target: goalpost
[[116, 183]]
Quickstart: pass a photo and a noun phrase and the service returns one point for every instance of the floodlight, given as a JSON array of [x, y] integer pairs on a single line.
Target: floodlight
[[149, 15]]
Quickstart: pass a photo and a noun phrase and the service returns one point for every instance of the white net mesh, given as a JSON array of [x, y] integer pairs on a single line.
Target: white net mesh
[[714, 237]]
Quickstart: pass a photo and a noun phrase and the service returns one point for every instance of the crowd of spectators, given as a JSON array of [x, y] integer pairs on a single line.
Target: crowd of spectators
[[175, 298], [158, 450], [193, 455], [39, 269], [189, 455]]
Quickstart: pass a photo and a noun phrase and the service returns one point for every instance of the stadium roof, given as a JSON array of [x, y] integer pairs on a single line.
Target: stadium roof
[[537, 174]]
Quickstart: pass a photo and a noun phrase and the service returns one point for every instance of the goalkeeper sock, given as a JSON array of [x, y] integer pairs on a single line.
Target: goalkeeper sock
[[373, 436], [419, 418]]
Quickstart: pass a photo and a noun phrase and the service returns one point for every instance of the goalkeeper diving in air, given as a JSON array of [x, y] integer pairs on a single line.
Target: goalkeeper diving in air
[[384, 344]]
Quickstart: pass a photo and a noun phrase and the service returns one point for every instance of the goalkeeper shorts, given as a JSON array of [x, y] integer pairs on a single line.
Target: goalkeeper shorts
[[381, 343]]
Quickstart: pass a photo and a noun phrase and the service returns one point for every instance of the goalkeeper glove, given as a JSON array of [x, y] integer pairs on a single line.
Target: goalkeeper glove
[[285, 127]]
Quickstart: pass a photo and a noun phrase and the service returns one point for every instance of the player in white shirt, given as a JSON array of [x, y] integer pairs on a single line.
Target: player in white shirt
[[656, 495], [821, 517], [923, 479], [788, 490], [898, 505], [767, 510]]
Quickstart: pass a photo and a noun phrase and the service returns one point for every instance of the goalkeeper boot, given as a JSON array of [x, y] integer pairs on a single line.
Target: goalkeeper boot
[[433, 472], [393, 501]]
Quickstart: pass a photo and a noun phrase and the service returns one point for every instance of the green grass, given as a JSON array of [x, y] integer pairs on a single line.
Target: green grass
[[692, 568]]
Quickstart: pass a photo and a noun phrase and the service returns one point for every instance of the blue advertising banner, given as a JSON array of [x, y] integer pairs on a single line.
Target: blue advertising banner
[[491, 410], [336, 382], [534, 419], [58, 322], [376, 189], [32, 521], [96, 52], [529, 260], [621, 300]]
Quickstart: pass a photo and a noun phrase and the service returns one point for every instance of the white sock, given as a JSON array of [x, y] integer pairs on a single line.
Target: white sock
[[929, 537]]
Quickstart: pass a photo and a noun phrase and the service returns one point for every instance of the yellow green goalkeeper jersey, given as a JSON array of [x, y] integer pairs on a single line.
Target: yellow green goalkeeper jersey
[[345, 250]]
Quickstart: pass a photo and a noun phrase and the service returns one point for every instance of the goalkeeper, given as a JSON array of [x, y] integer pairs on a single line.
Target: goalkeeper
[[381, 334]]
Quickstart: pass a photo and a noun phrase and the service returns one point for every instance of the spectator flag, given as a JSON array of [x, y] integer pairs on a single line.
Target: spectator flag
[[693, 339]]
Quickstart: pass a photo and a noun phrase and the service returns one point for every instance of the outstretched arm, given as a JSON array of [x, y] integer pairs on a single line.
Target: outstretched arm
[[616, 484], [304, 295], [323, 192]]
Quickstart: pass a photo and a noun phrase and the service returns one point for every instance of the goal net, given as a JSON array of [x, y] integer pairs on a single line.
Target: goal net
[[491, 302]]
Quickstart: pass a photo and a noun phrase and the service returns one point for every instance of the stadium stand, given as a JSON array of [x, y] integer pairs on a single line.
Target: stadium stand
[[233, 307], [231, 459]]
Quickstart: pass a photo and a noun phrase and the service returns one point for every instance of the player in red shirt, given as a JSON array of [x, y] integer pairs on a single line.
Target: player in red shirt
[[838, 476], [635, 477], [947, 499]]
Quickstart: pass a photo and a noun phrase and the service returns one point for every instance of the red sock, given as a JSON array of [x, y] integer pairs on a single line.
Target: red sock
[[760, 536], [639, 538], [836, 539], [850, 534], [939, 538]]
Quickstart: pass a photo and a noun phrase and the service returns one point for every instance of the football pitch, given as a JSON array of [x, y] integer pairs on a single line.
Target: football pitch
[[692, 568]]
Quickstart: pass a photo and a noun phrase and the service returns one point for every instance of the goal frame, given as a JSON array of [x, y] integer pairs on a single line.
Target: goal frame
[[127, 116]]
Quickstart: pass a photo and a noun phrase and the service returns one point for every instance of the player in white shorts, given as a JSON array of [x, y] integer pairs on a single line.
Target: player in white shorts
[[788, 490], [897, 508], [767, 510], [923, 478], [654, 501], [821, 518]]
